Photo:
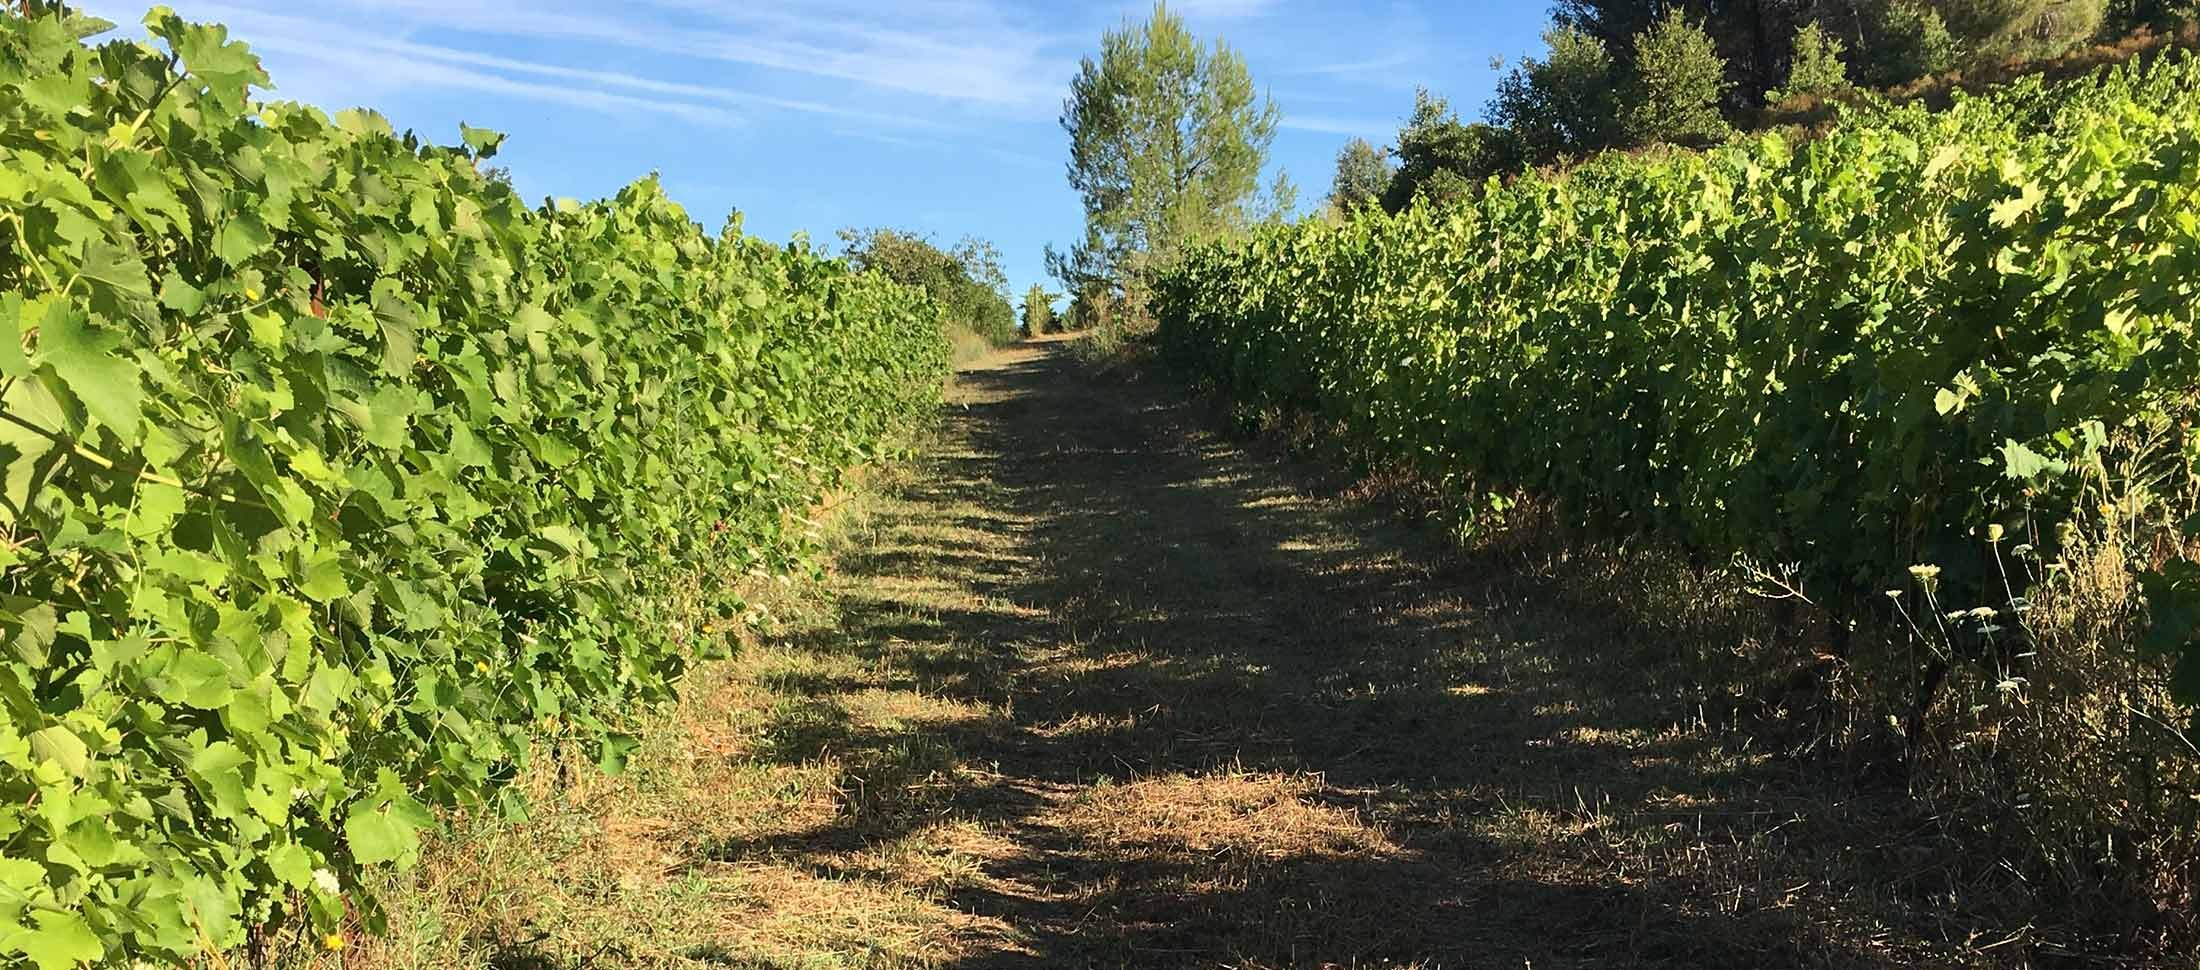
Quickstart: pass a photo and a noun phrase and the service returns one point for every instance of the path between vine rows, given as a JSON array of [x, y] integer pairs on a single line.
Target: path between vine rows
[[1108, 687]]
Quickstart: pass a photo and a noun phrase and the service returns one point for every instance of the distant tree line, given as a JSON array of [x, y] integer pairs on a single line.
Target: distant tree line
[[1633, 73], [1169, 136], [966, 280], [1039, 315]]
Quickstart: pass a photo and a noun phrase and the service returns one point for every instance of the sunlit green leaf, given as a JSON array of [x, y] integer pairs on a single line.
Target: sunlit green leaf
[[89, 363]]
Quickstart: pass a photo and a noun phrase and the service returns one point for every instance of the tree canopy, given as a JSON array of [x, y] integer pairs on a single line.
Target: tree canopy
[[1039, 311], [1630, 73], [967, 279], [1678, 84], [1363, 172], [1441, 159], [1565, 104], [1167, 141], [1815, 69], [1884, 42]]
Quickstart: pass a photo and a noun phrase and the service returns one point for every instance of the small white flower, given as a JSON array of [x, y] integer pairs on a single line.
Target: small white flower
[[326, 880], [1927, 576]]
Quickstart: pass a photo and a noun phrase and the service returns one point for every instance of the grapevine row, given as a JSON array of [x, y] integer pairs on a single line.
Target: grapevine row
[[332, 476], [1914, 342]]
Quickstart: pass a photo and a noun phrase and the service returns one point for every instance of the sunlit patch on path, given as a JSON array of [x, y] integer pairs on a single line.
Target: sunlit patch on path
[[1091, 685], [1121, 694]]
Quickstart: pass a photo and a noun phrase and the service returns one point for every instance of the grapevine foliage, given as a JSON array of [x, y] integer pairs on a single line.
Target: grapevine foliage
[[1888, 347], [332, 475]]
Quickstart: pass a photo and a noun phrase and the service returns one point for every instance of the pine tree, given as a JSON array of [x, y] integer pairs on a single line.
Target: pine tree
[[2125, 16], [1998, 29], [1913, 42], [1816, 69], [1280, 202], [1039, 311], [1168, 137], [1678, 85], [1363, 172]]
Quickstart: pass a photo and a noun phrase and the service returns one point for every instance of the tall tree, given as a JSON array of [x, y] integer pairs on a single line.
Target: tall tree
[[2125, 16], [1612, 23], [1167, 140], [1890, 41], [1363, 171], [1679, 82], [1280, 201], [1565, 104], [1038, 311]]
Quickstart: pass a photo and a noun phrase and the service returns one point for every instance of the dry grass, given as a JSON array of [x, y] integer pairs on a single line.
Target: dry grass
[[669, 864], [2058, 798], [2073, 763], [1095, 686], [1236, 821], [681, 861], [966, 347]]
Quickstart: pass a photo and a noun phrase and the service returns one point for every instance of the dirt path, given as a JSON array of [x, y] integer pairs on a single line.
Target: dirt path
[[1108, 691], [1092, 684]]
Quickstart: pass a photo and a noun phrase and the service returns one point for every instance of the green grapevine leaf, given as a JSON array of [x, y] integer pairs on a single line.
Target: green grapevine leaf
[[482, 141], [60, 941], [85, 361]]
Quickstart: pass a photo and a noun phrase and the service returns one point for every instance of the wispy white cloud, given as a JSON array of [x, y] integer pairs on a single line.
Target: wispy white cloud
[[374, 57], [1024, 158], [1330, 125], [969, 52], [1383, 66], [901, 66], [1306, 95], [865, 134], [381, 65], [614, 79], [345, 65]]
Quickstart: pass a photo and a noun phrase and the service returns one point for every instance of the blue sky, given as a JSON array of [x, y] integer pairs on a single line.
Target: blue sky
[[811, 115]]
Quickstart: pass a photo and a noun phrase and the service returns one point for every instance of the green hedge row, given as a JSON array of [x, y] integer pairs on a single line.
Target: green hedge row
[[1907, 343], [331, 475]]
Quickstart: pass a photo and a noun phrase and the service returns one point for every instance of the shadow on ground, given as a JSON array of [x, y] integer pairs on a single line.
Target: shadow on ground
[[1234, 724]]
